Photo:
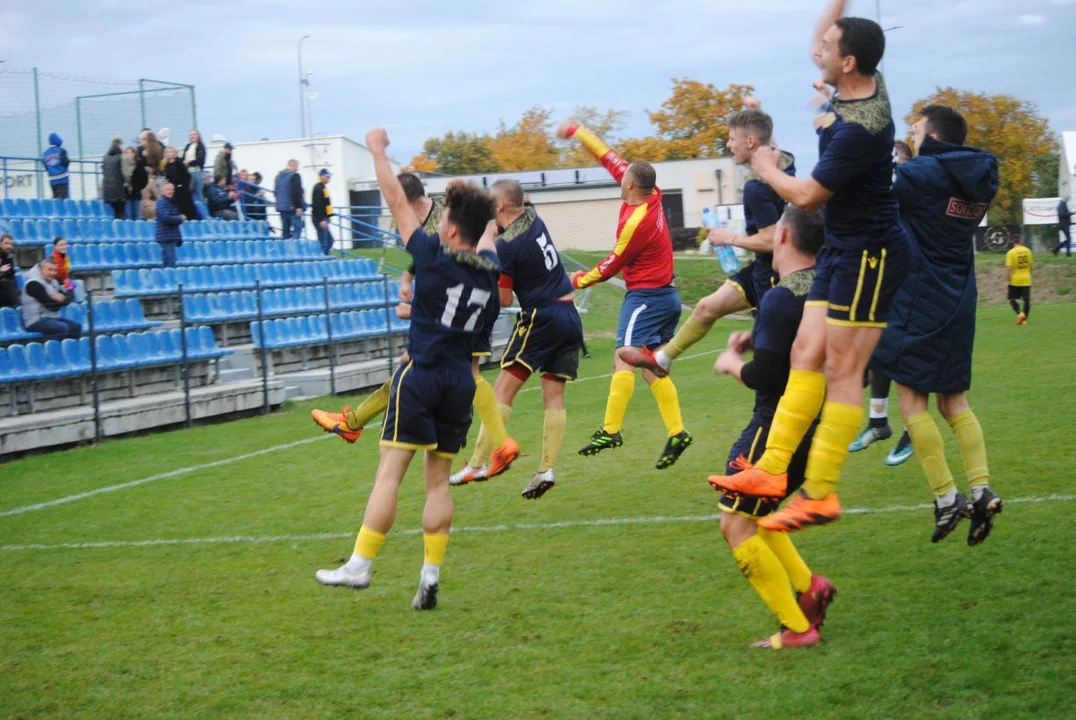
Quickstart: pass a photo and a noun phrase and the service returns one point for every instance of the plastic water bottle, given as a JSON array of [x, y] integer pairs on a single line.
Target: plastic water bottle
[[725, 254]]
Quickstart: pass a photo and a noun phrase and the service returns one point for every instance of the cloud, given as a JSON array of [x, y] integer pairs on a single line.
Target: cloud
[[1032, 19]]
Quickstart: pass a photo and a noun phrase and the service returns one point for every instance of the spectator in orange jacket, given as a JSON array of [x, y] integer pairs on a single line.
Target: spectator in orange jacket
[[63, 262]]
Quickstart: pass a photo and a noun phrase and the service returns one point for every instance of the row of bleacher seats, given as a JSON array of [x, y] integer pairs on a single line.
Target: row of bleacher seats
[[52, 207], [42, 232], [165, 281], [231, 307], [117, 256], [312, 329], [109, 316], [71, 358]]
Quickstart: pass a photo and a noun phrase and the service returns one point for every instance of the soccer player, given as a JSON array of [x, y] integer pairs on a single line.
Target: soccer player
[[748, 130], [456, 273], [1018, 262], [943, 193], [860, 269], [651, 308], [547, 336], [769, 560], [348, 423]]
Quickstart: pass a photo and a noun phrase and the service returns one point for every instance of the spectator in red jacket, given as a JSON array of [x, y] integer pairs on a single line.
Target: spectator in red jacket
[[63, 262]]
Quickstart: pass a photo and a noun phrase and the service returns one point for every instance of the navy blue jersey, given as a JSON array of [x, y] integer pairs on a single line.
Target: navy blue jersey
[[528, 256], [456, 301], [855, 163], [775, 329], [762, 206]]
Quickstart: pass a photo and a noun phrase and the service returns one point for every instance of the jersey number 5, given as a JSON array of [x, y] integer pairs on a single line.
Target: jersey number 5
[[548, 251], [477, 297]]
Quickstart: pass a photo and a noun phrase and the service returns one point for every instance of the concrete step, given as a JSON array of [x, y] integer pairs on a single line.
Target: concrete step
[[236, 375]]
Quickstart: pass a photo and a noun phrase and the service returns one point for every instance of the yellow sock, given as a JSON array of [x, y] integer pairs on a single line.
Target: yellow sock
[[435, 544], [797, 409], [930, 451], [483, 445], [621, 388], [374, 404], [552, 434], [689, 333], [837, 429], [368, 543], [781, 545], [765, 573], [486, 403], [969, 436], [668, 405]]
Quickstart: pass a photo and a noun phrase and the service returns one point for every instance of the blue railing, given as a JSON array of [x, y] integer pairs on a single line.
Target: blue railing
[[27, 177]]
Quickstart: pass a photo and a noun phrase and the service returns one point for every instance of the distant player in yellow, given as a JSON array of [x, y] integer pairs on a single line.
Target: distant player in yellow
[[1018, 262]]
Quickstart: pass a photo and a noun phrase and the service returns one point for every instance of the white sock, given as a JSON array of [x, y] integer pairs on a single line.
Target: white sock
[[663, 360], [358, 564], [431, 574], [977, 492], [947, 499], [879, 408]]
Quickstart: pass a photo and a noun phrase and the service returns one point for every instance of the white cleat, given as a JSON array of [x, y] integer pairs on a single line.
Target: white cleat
[[342, 577], [426, 597], [468, 474], [539, 484]]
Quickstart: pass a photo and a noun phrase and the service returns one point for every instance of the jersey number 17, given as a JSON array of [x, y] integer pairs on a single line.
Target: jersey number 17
[[477, 298]]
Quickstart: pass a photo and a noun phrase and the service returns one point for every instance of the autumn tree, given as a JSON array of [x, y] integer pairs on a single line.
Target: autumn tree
[[527, 145], [1010, 128], [693, 121], [605, 124], [457, 153]]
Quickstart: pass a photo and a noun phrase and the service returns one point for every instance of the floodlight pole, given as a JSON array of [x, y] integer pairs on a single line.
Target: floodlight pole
[[302, 84]]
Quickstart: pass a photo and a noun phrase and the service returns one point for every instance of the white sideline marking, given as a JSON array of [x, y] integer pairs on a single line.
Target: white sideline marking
[[228, 461], [600, 522]]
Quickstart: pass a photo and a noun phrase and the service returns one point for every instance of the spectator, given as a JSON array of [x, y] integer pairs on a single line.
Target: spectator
[[321, 209], [150, 152], [56, 162], [222, 165], [9, 286], [239, 195], [256, 206], [194, 159], [150, 194], [134, 182], [112, 178], [42, 298], [220, 200], [168, 221], [63, 262], [176, 173], [288, 188], [1064, 220]]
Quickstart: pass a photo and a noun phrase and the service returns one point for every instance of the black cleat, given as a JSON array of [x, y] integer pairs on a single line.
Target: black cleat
[[946, 518], [674, 448], [541, 483], [982, 516], [601, 440], [426, 597]]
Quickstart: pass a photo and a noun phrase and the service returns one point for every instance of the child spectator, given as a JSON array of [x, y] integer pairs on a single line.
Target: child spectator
[[168, 221], [63, 263]]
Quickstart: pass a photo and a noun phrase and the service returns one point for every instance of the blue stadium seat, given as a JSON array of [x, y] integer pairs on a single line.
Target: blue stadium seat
[[8, 207], [136, 344], [104, 314], [55, 363], [35, 208], [170, 347], [20, 367], [153, 346], [10, 324], [75, 312], [70, 350], [137, 316], [22, 207], [124, 358]]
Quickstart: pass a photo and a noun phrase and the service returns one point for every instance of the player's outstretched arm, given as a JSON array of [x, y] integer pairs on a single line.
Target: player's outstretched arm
[[377, 141], [594, 145], [833, 12]]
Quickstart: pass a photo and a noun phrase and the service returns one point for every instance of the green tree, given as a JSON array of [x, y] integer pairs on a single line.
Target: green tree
[[457, 153], [1047, 168]]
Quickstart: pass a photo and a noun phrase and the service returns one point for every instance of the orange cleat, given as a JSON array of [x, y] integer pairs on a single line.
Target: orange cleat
[[801, 512], [787, 639], [643, 358], [1021, 319], [336, 423], [502, 458], [752, 481], [739, 465]]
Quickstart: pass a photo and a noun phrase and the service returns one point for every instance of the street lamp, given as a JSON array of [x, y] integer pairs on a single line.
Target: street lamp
[[302, 89]]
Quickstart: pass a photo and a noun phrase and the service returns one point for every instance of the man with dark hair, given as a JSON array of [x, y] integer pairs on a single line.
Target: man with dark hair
[[859, 271], [944, 193], [902, 152], [321, 209], [1064, 222], [456, 273], [9, 286], [769, 560], [42, 299], [219, 200], [748, 129], [651, 308], [547, 335], [290, 203]]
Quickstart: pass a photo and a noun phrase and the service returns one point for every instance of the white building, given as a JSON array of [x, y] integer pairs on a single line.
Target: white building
[[1066, 171]]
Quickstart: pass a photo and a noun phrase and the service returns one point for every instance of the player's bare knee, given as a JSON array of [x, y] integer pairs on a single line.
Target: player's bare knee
[[736, 529], [952, 404]]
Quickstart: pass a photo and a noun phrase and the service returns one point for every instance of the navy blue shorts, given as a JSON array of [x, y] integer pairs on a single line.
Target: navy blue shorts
[[429, 409], [751, 444], [482, 345], [547, 340], [648, 317], [858, 286], [752, 281]]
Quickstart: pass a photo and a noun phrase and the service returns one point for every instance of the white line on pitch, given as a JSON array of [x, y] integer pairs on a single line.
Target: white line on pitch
[[600, 522], [224, 461]]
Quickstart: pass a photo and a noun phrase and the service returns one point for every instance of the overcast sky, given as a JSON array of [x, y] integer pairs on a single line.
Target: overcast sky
[[421, 68]]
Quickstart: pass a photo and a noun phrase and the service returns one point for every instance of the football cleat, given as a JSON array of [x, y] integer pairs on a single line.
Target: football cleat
[[739, 465], [342, 577], [426, 597], [752, 481], [502, 458], [674, 448], [336, 423], [802, 512], [787, 639], [601, 440], [541, 483], [870, 436], [947, 518], [1021, 319], [643, 358], [816, 600], [902, 453], [468, 474], [982, 516]]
